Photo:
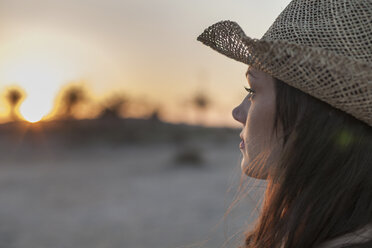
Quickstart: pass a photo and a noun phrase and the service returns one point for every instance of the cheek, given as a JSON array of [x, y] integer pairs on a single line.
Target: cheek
[[257, 137], [258, 127]]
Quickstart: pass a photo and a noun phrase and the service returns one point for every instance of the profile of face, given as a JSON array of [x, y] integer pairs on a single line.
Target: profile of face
[[260, 149]]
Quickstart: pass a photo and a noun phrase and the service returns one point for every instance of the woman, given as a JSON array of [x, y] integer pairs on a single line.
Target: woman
[[307, 122]]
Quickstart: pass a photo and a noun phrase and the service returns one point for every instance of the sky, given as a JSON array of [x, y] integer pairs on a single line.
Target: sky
[[145, 49]]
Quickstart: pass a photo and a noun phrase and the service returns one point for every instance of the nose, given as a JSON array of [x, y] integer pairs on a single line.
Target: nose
[[240, 112]]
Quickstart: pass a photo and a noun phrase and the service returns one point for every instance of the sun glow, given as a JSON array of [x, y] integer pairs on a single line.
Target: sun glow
[[35, 63], [31, 112], [41, 61], [38, 77]]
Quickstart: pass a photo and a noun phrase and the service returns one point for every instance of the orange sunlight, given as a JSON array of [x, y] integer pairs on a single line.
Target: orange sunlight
[[29, 113], [41, 61], [31, 74]]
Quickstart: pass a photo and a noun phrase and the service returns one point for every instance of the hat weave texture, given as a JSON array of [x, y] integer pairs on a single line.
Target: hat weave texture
[[321, 47]]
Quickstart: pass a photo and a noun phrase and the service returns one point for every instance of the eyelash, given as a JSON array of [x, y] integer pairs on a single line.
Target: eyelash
[[249, 90]]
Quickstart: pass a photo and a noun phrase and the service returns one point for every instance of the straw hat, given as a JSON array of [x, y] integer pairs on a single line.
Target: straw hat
[[322, 47]]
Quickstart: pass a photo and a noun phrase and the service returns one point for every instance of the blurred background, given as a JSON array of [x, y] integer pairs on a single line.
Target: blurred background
[[116, 127]]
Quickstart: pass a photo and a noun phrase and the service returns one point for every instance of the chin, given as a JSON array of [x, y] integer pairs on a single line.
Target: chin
[[254, 172]]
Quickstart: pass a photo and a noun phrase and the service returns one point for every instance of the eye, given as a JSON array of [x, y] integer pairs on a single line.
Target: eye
[[250, 91]]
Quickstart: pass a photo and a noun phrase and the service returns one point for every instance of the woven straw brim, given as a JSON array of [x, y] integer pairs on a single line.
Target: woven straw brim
[[340, 81]]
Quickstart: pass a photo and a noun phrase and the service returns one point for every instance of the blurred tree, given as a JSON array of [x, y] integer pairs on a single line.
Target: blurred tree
[[115, 107], [155, 114], [201, 102], [71, 98], [14, 97]]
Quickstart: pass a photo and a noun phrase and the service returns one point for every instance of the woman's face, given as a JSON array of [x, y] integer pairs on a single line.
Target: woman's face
[[256, 114]]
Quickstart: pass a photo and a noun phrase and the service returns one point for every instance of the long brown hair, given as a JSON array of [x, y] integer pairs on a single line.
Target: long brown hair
[[322, 186]]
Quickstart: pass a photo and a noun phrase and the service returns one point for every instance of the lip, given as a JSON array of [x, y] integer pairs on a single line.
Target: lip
[[242, 145]]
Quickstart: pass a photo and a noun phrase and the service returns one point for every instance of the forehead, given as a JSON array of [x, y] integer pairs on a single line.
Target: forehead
[[251, 76], [251, 72], [257, 78]]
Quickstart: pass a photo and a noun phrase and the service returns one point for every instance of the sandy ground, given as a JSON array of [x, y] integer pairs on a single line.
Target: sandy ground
[[128, 196]]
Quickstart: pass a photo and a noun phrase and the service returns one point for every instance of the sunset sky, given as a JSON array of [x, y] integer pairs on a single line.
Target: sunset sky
[[146, 49]]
